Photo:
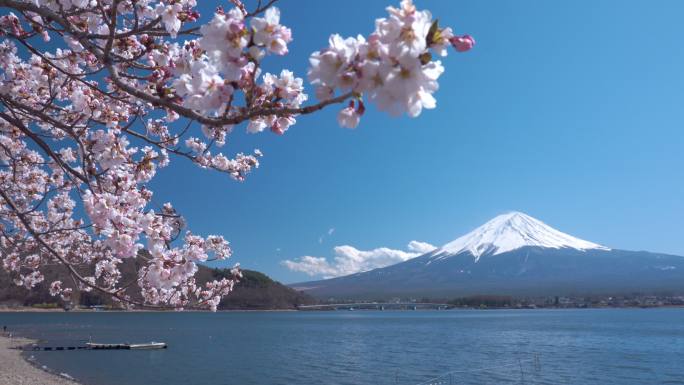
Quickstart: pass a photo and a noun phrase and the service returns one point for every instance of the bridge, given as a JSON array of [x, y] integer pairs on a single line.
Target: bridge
[[377, 306]]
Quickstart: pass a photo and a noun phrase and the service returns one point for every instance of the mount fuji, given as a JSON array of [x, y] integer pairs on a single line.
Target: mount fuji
[[513, 254]]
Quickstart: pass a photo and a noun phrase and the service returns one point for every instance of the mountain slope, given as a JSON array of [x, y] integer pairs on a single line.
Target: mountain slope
[[512, 231], [255, 291], [512, 254]]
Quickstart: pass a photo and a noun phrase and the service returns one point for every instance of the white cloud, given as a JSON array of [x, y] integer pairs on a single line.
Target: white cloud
[[420, 247], [311, 266], [350, 260]]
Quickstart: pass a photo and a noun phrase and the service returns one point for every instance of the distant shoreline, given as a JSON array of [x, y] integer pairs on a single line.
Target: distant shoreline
[[28, 309], [15, 369], [39, 310]]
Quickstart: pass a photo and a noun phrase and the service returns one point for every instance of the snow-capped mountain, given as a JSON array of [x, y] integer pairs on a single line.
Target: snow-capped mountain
[[512, 231], [512, 254]]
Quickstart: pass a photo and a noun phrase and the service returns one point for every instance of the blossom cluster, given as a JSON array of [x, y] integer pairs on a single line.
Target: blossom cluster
[[131, 85], [207, 73], [393, 67]]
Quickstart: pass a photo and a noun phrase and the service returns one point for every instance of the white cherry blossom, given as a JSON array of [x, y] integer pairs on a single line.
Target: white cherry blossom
[[348, 117], [170, 16], [269, 33]]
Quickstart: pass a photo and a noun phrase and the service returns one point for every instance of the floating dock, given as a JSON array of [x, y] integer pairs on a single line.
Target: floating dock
[[146, 346], [99, 346]]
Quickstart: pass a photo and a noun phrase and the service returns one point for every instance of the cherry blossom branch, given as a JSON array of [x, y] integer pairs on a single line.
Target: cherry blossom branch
[[55, 254], [188, 113], [44, 146], [84, 128]]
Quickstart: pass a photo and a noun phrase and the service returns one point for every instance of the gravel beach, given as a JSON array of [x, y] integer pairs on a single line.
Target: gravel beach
[[15, 370]]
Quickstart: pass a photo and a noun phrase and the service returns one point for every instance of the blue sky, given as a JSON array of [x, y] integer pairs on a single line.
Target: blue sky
[[571, 112]]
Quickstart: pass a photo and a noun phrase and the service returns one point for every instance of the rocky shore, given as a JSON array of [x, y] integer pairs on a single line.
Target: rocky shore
[[15, 370]]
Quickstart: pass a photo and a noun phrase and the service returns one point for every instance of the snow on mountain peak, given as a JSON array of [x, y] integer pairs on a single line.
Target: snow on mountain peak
[[512, 231]]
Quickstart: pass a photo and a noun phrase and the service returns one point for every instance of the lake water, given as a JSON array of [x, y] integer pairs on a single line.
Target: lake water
[[609, 346]]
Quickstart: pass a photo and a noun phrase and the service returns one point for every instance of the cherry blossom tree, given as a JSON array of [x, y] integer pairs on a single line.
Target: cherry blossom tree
[[97, 95]]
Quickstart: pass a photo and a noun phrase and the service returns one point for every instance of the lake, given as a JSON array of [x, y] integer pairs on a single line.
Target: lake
[[582, 346]]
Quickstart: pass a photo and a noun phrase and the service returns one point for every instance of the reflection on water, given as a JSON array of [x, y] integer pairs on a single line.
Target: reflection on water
[[612, 346]]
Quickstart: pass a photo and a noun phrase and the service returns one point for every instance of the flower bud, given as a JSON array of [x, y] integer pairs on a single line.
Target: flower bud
[[462, 43]]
